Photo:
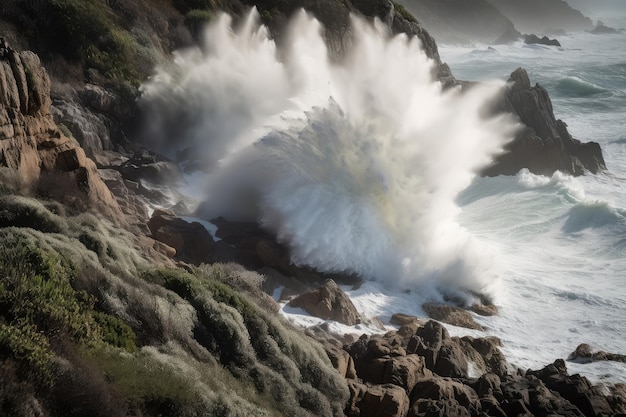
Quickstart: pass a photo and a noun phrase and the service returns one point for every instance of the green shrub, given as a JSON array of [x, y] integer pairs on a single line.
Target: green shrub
[[27, 346], [146, 382], [20, 211], [196, 19], [185, 6], [115, 332], [36, 291]]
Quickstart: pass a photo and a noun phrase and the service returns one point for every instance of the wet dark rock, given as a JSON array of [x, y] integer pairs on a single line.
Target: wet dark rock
[[151, 167], [533, 39], [584, 354], [400, 319], [376, 400], [328, 302], [543, 145], [574, 388], [451, 315], [192, 242]]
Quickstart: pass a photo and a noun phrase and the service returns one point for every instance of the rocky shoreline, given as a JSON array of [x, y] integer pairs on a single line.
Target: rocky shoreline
[[210, 322]]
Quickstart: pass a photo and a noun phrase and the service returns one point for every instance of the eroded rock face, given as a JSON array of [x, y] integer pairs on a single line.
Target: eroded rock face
[[33, 152], [544, 145]]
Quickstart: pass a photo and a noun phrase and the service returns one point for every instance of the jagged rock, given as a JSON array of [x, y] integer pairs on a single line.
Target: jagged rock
[[534, 39], [428, 341], [574, 388], [406, 371], [451, 361], [451, 315], [341, 360], [544, 145], [377, 400], [485, 355], [452, 397], [329, 303], [192, 242], [33, 150], [131, 204], [584, 353]]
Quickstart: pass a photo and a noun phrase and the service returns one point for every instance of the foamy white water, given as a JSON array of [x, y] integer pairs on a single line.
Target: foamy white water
[[354, 166], [369, 167], [563, 239]]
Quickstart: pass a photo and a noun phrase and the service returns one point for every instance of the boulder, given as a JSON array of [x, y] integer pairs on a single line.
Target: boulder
[[400, 319], [328, 302], [192, 242], [447, 390], [584, 354], [376, 400], [543, 145], [451, 315], [485, 355]]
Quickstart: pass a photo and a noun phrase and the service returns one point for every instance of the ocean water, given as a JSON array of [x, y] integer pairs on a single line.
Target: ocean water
[[562, 239], [368, 166]]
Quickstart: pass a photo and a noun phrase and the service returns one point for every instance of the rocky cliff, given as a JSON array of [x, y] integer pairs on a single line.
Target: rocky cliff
[[35, 156]]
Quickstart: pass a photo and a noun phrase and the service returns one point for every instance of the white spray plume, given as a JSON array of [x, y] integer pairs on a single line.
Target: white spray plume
[[355, 166]]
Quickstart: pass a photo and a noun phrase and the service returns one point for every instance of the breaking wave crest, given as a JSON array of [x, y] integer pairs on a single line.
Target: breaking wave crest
[[354, 165]]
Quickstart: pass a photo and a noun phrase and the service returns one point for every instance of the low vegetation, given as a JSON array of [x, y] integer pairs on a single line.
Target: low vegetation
[[89, 327]]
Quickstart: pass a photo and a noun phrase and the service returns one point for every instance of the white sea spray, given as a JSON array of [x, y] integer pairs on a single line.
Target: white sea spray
[[355, 165]]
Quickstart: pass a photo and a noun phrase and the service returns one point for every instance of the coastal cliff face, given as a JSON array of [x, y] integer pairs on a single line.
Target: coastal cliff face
[[35, 156], [450, 21], [544, 16]]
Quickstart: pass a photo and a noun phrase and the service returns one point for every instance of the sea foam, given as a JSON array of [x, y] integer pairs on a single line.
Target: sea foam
[[355, 165]]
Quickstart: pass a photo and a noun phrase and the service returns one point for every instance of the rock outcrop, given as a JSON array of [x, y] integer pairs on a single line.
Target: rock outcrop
[[190, 241], [421, 371], [35, 155], [328, 302], [533, 39], [543, 145], [584, 354], [451, 315]]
